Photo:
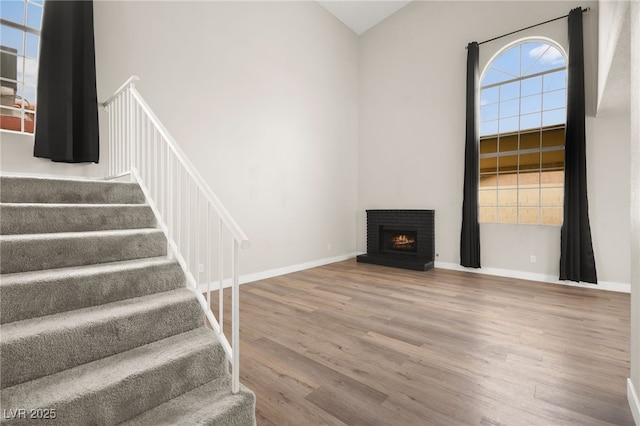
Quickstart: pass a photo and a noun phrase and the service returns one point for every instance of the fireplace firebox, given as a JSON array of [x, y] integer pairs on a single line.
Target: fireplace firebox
[[402, 241], [400, 238]]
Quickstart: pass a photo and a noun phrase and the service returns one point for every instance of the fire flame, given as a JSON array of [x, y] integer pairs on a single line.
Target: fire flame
[[401, 241]]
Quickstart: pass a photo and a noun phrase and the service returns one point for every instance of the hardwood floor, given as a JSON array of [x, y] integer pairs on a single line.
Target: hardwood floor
[[361, 344]]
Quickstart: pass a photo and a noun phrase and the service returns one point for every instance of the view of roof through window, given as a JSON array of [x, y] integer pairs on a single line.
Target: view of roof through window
[[20, 23]]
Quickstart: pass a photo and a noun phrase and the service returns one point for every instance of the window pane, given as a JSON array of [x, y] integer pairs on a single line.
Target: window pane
[[551, 197], [532, 86], [507, 180], [487, 198], [12, 38], [553, 137], [531, 104], [488, 165], [488, 146], [530, 140], [489, 128], [530, 161], [508, 143], [12, 10], [489, 112], [553, 159], [551, 216], [555, 99], [556, 80], [508, 125], [555, 178], [556, 116], [530, 54], [509, 109], [510, 91], [529, 180], [9, 111], [508, 62], [507, 215], [28, 71], [29, 94], [508, 163], [529, 197], [507, 197], [34, 16], [489, 96], [493, 76], [487, 215], [528, 215], [530, 121], [33, 41], [488, 181], [549, 58]]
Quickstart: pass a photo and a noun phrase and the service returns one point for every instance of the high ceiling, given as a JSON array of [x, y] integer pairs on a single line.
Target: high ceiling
[[361, 15]]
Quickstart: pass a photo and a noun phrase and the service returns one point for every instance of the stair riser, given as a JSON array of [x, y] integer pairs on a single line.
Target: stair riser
[[210, 404], [24, 299], [30, 357], [35, 190], [39, 219], [32, 254], [135, 394]]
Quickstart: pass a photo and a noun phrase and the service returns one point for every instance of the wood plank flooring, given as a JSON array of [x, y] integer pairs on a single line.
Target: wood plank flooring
[[360, 344]]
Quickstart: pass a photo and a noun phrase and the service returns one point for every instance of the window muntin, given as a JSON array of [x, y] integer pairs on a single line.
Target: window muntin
[[20, 23], [522, 124]]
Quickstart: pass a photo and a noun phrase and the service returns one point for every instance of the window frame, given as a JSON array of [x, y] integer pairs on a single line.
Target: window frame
[[518, 152]]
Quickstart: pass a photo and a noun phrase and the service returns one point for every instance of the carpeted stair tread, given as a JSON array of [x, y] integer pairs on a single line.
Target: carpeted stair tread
[[95, 321], [28, 218], [33, 348], [210, 404], [114, 389], [31, 294], [30, 252], [46, 190]]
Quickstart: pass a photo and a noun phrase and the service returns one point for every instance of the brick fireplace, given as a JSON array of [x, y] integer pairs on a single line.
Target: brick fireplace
[[400, 238]]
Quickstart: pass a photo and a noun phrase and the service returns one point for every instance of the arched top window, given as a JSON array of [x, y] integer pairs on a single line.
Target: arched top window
[[522, 118]]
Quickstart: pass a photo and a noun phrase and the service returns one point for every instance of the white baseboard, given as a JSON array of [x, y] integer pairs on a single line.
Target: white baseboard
[[634, 404], [602, 285], [249, 278], [49, 176]]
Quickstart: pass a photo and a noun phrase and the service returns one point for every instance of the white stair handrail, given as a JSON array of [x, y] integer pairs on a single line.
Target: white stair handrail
[[141, 146]]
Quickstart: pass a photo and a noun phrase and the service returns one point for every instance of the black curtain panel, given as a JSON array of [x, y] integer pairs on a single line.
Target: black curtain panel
[[577, 262], [470, 235], [67, 105]]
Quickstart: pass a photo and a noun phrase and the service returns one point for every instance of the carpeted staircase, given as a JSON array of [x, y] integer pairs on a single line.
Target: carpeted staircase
[[97, 326]]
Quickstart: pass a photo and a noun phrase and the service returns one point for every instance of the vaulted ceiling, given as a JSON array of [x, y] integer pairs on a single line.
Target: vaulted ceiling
[[362, 15]]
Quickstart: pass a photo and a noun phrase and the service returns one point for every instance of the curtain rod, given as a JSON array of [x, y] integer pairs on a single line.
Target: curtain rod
[[585, 10]]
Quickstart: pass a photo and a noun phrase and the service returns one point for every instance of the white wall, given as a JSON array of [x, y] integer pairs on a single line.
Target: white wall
[[611, 15], [411, 148], [263, 98], [16, 158]]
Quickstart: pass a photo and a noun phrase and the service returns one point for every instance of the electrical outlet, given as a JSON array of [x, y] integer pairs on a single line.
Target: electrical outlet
[[329, 247], [532, 259], [201, 267]]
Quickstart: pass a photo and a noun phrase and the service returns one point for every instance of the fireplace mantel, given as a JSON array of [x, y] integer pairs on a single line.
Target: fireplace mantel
[[401, 226]]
